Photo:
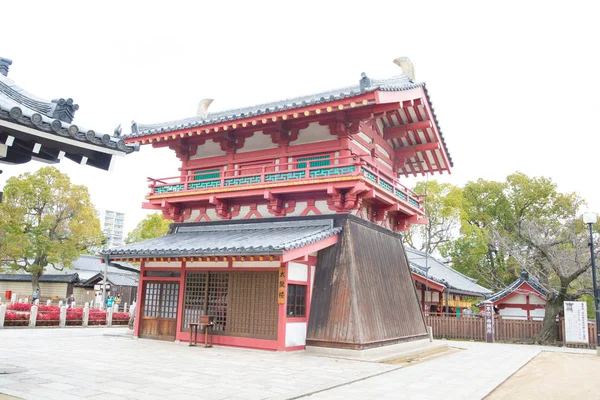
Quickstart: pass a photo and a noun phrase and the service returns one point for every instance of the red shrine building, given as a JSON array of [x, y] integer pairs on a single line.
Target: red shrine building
[[288, 219], [525, 298]]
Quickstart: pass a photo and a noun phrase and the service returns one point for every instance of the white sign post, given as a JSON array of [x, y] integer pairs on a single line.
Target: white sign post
[[576, 322]]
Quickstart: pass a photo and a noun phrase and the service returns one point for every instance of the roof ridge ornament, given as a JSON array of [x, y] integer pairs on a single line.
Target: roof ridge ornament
[[202, 111], [408, 69], [365, 82], [5, 63]]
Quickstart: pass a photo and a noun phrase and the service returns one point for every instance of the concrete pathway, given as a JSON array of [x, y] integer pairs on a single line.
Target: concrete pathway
[[72, 363]]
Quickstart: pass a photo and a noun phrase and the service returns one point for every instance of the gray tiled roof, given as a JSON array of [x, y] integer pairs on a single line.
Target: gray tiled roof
[[441, 273], [67, 278], [113, 278], [232, 239], [394, 84], [523, 278], [54, 117]]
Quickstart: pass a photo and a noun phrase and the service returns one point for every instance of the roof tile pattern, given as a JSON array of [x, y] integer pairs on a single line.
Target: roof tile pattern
[[441, 273], [232, 239], [54, 117]]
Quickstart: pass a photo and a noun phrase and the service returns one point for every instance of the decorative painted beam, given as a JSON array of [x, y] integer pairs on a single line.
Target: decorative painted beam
[[398, 132]]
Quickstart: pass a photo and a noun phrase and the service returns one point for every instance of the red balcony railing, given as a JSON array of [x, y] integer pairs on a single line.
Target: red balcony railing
[[303, 169]]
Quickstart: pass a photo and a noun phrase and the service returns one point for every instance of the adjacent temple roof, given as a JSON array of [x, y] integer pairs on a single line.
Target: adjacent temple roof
[[264, 238], [66, 278], [85, 270], [31, 127], [365, 85], [441, 273], [513, 287]]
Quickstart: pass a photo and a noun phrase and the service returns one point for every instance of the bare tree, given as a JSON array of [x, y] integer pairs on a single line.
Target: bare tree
[[556, 253]]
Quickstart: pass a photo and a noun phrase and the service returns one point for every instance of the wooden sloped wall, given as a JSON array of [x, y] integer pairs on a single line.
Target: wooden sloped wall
[[364, 295]]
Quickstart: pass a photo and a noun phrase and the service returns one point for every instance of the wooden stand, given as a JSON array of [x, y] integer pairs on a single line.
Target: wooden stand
[[206, 322]]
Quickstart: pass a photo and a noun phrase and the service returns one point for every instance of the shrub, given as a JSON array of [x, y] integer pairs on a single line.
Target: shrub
[[16, 319], [45, 309], [47, 319], [97, 317], [120, 318], [19, 307]]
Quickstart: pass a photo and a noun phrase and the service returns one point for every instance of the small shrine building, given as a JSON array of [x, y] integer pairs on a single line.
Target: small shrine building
[[288, 219], [525, 298]]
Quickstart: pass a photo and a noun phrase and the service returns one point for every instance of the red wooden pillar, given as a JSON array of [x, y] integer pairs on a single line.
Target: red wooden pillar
[[140, 301], [180, 301]]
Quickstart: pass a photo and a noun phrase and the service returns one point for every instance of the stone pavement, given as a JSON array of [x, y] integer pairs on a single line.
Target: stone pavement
[[72, 363]]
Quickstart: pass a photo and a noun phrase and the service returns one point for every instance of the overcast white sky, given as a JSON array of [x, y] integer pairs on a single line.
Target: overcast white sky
[[515, 86]]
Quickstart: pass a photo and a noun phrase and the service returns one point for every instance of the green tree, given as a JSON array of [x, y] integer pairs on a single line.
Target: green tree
[[45, 220], [524, 222], [443, 204], [153, 226]]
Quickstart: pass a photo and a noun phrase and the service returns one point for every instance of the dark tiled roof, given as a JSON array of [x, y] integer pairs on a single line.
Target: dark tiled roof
[[395, 84], [70, 278], [441, 273], [524, 278], [94, 263], [232, 239], [54, 117], [113, 278]]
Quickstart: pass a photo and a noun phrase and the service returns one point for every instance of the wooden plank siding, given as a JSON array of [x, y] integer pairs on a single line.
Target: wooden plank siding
[[363, 294], [506, 330]]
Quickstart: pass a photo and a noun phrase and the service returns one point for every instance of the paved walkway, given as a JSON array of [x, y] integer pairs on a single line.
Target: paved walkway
[[72, 363]]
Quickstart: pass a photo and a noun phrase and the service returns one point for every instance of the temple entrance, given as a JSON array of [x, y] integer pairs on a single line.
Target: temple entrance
[[244, 304], [159, 312]]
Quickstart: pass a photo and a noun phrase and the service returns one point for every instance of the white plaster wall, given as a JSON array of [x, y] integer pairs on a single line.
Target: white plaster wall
[[256, 264], [208, 149], [297, 272], [193, 215], [518, 299], [538, 313], [300, 206], [535, 299], [314, 133], [322, 206], [162, 264], [206, 264], [381, 149], [258, 141], [513, 313], [359, 145], [364, 137], [295, 334]]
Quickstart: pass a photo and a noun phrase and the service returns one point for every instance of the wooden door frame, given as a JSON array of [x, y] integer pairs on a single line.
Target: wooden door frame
[[158, 319]]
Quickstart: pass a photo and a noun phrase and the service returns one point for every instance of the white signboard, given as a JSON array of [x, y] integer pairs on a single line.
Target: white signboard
[[576, 322]]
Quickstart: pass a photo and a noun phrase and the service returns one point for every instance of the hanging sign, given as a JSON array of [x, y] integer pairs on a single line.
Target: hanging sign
[[281, 286], [576, 322], [489, 321]]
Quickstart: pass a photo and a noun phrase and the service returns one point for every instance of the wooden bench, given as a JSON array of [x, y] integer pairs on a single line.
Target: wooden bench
[[206, 322]]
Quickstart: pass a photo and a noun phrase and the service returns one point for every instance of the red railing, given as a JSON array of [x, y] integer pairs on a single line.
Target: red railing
[[311, 168]]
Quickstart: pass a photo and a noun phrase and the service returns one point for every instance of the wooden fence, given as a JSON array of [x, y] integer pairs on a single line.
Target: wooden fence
[[506, 330]]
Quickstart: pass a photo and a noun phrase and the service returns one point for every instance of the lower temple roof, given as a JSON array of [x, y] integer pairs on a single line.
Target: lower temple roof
[[265, 238]]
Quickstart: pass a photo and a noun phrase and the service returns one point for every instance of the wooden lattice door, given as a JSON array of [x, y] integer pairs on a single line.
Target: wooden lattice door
[[253, 305], [159, 312]]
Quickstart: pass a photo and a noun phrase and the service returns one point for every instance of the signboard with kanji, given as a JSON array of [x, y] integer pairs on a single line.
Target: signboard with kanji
[[489, 321], [576, 322], [281, 286]]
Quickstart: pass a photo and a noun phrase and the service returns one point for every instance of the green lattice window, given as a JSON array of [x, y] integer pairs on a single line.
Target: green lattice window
[[317, 161], [207, 174]]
